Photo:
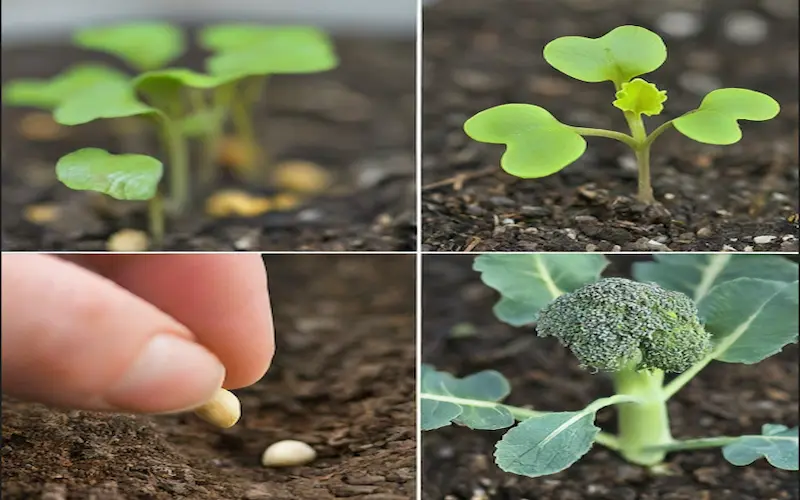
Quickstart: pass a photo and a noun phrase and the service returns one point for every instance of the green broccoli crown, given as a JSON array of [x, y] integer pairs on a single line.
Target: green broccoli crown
[[615, 322]]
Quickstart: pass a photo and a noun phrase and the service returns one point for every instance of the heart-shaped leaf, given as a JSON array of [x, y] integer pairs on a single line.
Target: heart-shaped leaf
[[289, 50], [166, 84], [619, 55], [124, 177], [471, 401], [47, 94], [715, 121], [231, 37], [537, 145], [778, 444], [145, 46], [104, 100], [528, 282]]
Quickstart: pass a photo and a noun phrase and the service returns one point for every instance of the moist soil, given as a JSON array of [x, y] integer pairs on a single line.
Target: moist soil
[[725, 399], [356, 122], [342, 380], [481, 54]]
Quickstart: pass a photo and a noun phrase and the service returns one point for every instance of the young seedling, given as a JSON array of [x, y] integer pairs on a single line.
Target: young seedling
[[682, 313], [251, 53], [538, 145]]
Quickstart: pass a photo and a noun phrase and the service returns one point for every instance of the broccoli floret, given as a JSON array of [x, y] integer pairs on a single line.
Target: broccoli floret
[[614, 323]]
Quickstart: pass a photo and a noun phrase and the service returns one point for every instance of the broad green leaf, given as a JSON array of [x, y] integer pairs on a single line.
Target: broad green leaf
[[47, 94], [145, 46], [537, 145], [695, 275], [528, 282], [476, 397], [166, 84], [546, 444], [778, 444], [640, 97], [619, 55], [750, 319], [124, 177], [103, 100], [231, 37], [434, 413], [716, 120], [278, 51]]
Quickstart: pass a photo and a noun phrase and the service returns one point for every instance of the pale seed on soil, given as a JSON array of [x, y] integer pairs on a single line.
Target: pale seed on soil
[[128, 240], [222, 410], [288, 453], [42, 213]]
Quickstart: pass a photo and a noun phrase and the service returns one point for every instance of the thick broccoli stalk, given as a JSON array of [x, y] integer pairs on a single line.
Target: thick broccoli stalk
[[636, 331]]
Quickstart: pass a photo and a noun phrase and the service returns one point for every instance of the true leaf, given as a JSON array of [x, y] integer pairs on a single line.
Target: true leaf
[[124, 177], [695, 275], [778, 444], [750, 319], [537, 145], [546, 444], [48, 93], [619, 55], [716, 120], [104, 100], [145, 46], [528, 282], [278, 51], [471, 401], [640, 97]]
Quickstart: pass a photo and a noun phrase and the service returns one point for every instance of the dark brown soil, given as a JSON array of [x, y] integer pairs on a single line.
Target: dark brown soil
[[356, 121], [342, 381], [725, 399], [480, 54]]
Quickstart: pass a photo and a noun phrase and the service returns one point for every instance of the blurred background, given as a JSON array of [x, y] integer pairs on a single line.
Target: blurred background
[[40, 20]]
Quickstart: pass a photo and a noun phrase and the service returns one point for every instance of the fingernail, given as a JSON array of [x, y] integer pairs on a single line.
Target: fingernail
[[170, 374]]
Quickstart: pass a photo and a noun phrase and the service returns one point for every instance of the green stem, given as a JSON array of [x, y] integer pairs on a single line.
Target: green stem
[[657, 132], [642, 151], [242, 118], [155, 218], [645, 424], [610, 134], [178, 153], [221, 101], [695, 444]]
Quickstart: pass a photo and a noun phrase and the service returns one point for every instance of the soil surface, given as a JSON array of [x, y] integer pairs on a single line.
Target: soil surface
[[356, 122], [342, 381], [481, 54], [725, 399]]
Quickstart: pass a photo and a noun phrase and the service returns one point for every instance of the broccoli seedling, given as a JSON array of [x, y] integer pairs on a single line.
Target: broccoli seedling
[[681, 313], [251, 53], [538, 145]]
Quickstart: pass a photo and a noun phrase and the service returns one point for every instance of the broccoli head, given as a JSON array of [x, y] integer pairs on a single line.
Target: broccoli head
[[614, 323]]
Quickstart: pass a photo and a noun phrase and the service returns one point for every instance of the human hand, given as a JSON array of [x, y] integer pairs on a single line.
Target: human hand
[[134, 333]]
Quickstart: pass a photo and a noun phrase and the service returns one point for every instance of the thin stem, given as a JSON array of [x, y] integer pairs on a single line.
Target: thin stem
[[155, 218], [610, 134], [221, 101], [657, 132], [178, 152], [242, 117], [642, 152], [694, 444]]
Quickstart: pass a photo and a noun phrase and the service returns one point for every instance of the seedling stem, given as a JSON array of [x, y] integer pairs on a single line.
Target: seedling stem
[[155, 214]]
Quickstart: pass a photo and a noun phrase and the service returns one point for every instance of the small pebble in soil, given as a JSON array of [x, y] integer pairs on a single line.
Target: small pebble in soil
[[748, 248], [288, 453], [669, 196], [763, 240], [128, 240], [728, 248], [531, 211], [745, 27], [679, 24], [704, 232], [698, 83]]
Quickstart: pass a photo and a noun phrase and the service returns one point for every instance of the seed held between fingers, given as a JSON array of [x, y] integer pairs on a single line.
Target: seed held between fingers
[[222, 410]]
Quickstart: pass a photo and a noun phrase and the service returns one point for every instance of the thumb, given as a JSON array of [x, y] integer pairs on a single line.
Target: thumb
[[73, 339]]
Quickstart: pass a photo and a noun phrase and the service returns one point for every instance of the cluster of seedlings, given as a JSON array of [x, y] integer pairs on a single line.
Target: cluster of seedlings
[[538, 145], [224, 410], [650, 336], [182, 105]]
